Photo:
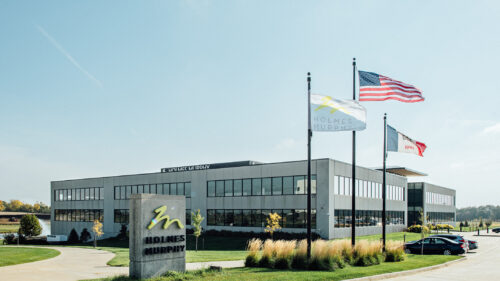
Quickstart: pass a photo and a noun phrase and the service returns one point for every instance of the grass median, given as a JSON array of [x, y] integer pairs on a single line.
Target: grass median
[[349, 272], [17, 255]]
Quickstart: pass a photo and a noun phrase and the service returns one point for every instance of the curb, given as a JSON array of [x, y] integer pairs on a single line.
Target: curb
[[408, 272]]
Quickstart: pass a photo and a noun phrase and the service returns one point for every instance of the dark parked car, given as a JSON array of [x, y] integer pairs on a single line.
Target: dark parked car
[[472, 244], [496, 230], [435, 246], [453, 237]]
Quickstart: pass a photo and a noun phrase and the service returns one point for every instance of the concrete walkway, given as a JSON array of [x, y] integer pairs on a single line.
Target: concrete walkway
[[481, 264], [79, 263]]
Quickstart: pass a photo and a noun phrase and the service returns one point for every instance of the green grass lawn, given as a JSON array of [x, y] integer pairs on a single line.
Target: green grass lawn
[[9, 228], [412, 262], [17, 255], [214, 248]]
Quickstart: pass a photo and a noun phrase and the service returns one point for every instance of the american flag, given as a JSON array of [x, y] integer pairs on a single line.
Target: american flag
[[376, 87]]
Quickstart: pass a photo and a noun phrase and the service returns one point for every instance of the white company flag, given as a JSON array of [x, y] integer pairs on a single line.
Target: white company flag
[[330, 115]]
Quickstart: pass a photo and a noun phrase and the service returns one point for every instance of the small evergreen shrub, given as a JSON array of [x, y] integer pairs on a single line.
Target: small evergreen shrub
[[85, 235], [73, 237]]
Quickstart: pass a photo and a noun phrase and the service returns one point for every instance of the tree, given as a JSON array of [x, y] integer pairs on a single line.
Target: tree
[[423, 218], [488, 224], [481, 223], [30, 225], [97, 230], [273, 223], [15, 205], [36, 207], [2, 206], [196, 219]]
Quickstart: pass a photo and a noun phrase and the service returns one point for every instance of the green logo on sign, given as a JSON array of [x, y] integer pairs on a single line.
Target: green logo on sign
[[160, 216]]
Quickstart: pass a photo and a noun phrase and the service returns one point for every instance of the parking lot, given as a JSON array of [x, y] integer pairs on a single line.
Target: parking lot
[[481, 264]]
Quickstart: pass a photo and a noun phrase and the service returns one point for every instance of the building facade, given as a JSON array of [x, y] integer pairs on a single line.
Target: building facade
[[238, 196], [436, 202]]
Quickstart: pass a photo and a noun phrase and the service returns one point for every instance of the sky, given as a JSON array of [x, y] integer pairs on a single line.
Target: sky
[[102, 88]]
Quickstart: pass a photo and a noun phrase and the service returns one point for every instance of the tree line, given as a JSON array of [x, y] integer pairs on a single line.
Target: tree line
[[19, 206], [488, 212]]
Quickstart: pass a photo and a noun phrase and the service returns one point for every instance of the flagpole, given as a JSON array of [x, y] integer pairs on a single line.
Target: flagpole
[[384, 182], [353, 209], [309, 136]]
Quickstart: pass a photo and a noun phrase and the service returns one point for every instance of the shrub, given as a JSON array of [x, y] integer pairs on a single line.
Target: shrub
[[73, 237], [85, 235], [299, 260], [394, 251], [30, 226], [367, 253], [253, 248], [320, 259], [335, 250], [418, 228], [268, 254], [284, 253], [10, 239], [123, 234]]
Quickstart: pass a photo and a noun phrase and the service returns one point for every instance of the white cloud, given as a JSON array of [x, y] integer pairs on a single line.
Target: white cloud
[[494, 129]]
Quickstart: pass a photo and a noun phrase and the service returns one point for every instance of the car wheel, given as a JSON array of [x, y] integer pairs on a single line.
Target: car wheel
[[447, 252], [407, 251]]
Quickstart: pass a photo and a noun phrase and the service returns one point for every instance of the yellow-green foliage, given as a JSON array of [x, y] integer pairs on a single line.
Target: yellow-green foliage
[[418, 228], [394, 251]]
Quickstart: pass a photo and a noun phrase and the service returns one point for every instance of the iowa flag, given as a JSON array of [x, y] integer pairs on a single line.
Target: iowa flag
[[401, 143]]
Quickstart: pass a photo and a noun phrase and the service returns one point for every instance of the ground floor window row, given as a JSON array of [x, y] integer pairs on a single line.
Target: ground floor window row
[[79, 215], [122, 216], [79, 194], [123, 192], [343, 186], [438, 217], [260, 186], [343, 218], [290, 218]]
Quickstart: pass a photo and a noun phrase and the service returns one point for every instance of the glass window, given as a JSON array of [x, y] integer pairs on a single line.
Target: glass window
[[287, 218], [247, 187], [152, 188], [173, 189], [71, 194], [140, 189], [287, 185], [237, 187], [87, 194], [228, 217], [129, 191], [256, 218], [117, 193], [219, 188], [266, 186], [246, 219], [299, 185], [134, 189], [211, 189], [188, 216], [77, 195], [92, 196], [277, 186], [187, 190], [313, 184], [238, 217], [146, 188], [180, 188], [211, 216], [336, 185], [300, 218], [341, 185], [219, 217], [256, 186], [228, 188], [313, 218], [166, 189], [122, 192]]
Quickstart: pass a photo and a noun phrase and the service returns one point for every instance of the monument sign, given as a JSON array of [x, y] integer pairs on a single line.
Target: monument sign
[[157, 234]]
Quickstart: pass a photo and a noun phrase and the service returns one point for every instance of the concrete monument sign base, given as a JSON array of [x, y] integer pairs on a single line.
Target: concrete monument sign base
[[157, 234]]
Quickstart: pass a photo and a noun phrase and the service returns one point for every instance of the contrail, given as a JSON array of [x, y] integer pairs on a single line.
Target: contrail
[[67, 55]]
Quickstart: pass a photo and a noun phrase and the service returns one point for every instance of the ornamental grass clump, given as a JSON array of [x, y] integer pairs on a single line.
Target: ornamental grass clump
[[284, 254], [335, 250], [268, 254], [299, 260], [367, 253], [394, 251], [253, 248], [320, 260], [345, 247]]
